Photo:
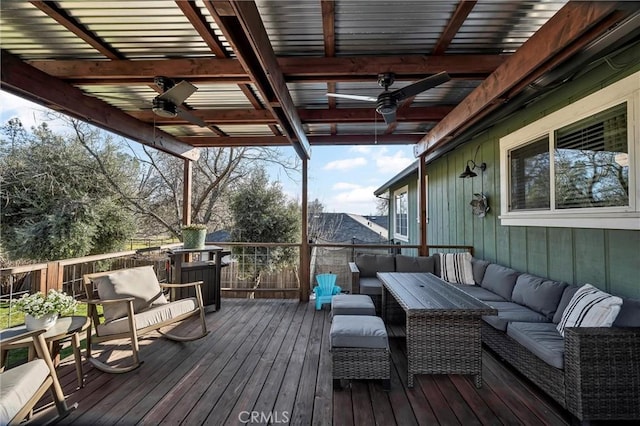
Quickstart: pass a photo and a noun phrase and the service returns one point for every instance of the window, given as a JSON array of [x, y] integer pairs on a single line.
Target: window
[[577, 166], [401, 214]]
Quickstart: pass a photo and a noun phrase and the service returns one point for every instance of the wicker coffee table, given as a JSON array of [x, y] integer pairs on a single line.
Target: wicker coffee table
[[443, 324]]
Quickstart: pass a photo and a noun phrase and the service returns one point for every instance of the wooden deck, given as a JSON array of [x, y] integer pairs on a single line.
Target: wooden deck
[[270, 357]]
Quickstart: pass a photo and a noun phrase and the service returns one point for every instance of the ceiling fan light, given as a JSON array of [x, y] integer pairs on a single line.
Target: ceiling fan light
[[164, 108]]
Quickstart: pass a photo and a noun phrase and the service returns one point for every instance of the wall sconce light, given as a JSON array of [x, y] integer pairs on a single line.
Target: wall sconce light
[[469, 171]]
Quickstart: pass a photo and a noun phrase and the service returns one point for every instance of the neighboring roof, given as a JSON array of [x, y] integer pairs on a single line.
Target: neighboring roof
[[221, 236], [410, 170], [382, 221], [348, 228]]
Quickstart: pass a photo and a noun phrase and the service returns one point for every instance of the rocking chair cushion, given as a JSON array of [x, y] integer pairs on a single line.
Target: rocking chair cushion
[[149, 317], [19, 385], [140, 283]]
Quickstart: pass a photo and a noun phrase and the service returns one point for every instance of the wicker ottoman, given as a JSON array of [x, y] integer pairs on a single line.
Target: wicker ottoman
[[352, 304], [360, 349]]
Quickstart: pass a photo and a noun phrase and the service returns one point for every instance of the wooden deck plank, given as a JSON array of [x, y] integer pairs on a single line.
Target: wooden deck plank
[[247, 400], [304, 401], [423, 413], [194, 406], [271, 356], [237, 372], [322, 406]]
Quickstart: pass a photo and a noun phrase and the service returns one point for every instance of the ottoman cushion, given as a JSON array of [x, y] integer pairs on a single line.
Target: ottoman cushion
[[352, 304], [358, 331]]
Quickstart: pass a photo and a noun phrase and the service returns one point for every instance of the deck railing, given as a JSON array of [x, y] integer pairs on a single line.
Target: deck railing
[[254, 270]]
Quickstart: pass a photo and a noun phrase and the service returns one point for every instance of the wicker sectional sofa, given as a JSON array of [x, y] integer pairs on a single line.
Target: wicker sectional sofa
[[593, 372]]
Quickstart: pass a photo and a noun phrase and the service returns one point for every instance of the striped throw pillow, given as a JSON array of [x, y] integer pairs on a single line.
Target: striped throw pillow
[[590, 307], [456, 268]]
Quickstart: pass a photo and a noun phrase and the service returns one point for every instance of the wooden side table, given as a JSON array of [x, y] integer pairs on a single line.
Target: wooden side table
[[65, 327]]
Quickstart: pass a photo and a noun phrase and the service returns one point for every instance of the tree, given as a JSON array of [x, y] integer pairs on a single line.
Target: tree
[[320, 225], [54, 204], [263, 214]]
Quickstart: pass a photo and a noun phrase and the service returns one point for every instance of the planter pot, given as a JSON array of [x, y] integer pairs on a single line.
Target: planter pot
[[194, 238], [46, 321]]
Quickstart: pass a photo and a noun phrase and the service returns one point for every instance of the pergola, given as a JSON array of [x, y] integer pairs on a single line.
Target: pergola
[[263, 68]]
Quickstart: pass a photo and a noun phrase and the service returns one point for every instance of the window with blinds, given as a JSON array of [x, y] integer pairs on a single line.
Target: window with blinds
[[591, 161], [529, 166]]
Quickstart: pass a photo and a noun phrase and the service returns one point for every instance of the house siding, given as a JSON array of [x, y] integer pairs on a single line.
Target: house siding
[[607, 258]]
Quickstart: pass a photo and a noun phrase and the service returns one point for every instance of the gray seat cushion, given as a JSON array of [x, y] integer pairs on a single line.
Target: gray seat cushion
[[479, 267], [541, 339], [567, 294], [358, 331], [537, 293], [152, 316], [508, 312], [415, 263], [352, 304], [629, 315], [500, 280], [480, 293], [370, 286], [370, 264], [19, 384]]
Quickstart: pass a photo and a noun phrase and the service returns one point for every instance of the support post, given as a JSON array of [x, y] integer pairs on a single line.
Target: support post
[[55, 276], [305, 255], [187, 190], [422, 191]]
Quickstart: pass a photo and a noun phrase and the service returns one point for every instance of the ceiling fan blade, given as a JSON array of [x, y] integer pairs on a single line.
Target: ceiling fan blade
[[389, 117], [186, 115], [354, 97], [179, 93], [420, 86]]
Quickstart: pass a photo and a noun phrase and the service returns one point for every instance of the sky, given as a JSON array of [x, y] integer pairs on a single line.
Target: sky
[[342, 178]]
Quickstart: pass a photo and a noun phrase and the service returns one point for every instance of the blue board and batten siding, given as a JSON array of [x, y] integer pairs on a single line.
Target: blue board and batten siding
[[607, 258]]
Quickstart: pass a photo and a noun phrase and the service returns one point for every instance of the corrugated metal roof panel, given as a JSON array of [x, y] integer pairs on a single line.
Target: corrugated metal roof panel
[[294, 27], [246, 130], [502, 27], [308, 95], [389, 27], [317, 129], [30, 33]]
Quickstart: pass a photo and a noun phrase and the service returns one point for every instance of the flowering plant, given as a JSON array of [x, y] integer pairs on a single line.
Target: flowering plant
[[54, 302], [194, 227]]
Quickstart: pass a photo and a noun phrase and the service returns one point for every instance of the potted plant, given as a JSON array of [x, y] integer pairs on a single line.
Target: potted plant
[[42, 311], [193, 236]]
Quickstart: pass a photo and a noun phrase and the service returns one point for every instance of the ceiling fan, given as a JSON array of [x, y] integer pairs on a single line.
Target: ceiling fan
[[168, 104], [387, 101]]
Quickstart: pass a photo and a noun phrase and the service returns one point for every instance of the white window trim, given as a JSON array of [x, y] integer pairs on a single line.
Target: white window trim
[[625, 217], [399, 191]]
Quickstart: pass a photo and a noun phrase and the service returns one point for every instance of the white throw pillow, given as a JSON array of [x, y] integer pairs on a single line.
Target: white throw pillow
[[590, 307], [456, 268]]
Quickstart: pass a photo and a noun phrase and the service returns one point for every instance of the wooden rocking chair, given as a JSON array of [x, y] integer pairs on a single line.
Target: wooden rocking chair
[[133, 304]]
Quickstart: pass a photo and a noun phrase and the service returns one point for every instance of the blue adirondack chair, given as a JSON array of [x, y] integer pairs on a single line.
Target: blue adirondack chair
[[325, 289]]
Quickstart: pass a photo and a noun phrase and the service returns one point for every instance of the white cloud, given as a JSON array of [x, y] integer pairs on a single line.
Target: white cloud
[[362, 149], [343, 186], [393, 164], [351, 198], [346, 164]]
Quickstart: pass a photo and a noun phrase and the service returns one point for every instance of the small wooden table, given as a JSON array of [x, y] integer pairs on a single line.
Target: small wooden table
[[65, 327], [442, 324]]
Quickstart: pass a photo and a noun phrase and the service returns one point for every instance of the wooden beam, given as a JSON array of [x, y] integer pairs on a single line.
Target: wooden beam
[[328, 27], [457, 19], [305, 68], [143, 71], [187, 192], [199, 22], [565, 27], [235, 141], [422, 208], [324, 140], [26, 81], [339, 115], [298, 68], [249, 39], [63, 18]]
